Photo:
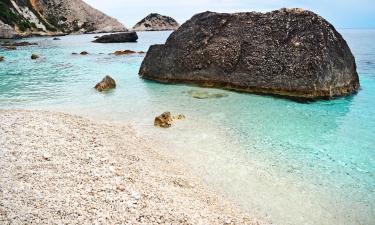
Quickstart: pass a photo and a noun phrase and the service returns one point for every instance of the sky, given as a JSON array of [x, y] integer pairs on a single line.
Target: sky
[[341, 13]]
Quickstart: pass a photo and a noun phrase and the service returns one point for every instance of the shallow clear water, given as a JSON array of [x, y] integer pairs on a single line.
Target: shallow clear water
[[288, 162]]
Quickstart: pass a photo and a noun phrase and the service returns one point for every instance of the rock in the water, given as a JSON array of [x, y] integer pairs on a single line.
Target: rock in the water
[[83, 53], [156, 22], [10, 47], [205, 94], [2, 58], [56, 39], [19, 44], [34, 56], [124, 52], [287, 52], [118, 38], [164, 120], [106, 84]]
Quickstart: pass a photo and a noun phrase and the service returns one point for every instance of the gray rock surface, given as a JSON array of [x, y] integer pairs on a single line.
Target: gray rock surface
[[287, 52], [53, 17], [156, 22], [77, 16], [6, 31], [118, 38]]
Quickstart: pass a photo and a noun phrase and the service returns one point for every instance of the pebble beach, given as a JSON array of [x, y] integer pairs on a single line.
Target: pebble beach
[[58, 168]]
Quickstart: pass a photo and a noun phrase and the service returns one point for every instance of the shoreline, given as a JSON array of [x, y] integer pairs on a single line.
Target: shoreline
[[68, 169]]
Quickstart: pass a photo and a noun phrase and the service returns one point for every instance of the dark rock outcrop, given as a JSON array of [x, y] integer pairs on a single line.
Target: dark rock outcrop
[[34, 56], [156, 22], [287, 52], [19, 44], [83, 53], [2, 58], [118, 38], [106, 84]]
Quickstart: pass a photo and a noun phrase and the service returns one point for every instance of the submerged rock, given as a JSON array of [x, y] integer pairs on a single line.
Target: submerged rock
[[205, 94], [118, 38], [2, 58], [179, 117], [83, 53], [56, 39], [106, 84], [34, 56], [164, 120], [156, 22], [287, 52]]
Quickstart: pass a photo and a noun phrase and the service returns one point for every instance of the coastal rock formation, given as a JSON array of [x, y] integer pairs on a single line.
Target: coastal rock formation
[[156, 22], [6, 31], [106, 84], [51, 17], [118, 38], [164, 120], [287, 52]]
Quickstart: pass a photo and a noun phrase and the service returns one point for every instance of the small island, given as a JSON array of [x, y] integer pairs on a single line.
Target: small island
[[156, 22]]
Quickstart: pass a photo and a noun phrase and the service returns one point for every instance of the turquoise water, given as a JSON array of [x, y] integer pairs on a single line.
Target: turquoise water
[[287, 162]]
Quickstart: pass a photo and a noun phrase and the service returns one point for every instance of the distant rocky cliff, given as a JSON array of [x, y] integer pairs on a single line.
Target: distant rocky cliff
[[156, 22], [26, 17]]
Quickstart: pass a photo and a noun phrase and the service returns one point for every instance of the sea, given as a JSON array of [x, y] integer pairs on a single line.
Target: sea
[[286, 162]]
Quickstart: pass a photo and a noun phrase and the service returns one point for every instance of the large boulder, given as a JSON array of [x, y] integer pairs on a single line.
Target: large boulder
[[288, 52], [156, 22], [118, 38]]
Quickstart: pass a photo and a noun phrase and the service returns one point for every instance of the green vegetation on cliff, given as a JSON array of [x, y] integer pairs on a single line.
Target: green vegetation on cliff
[[8, 16]]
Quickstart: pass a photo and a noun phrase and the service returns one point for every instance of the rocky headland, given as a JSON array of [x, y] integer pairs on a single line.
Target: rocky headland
[[156, 22], [20, 18], [287, 52]]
